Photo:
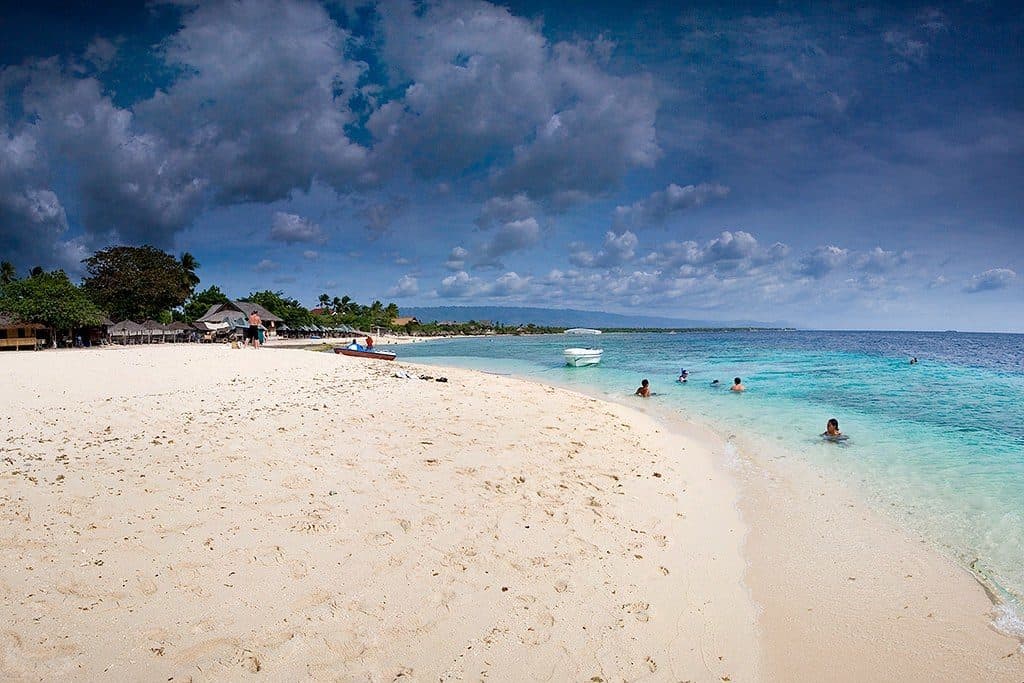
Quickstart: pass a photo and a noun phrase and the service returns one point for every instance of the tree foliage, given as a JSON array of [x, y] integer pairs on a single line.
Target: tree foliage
[[136, 282], [200, 302], [291, 311], [7, 273], [51, 299]]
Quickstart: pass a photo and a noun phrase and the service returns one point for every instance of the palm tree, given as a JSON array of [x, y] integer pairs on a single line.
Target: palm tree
[[7, 273], [324, 300], [36, 272], [336, 305], [189, 263]]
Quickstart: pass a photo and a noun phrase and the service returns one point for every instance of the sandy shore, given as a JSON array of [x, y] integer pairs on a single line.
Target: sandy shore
[[199, 512]]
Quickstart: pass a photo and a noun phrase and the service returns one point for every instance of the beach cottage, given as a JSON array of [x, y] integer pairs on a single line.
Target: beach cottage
[[232, 310], [16, 335]]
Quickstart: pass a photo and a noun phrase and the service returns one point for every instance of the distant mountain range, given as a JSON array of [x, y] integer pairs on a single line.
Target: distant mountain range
[[566, 317]]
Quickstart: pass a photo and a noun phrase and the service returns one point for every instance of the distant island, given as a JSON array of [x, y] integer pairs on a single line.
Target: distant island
[[515, 316]]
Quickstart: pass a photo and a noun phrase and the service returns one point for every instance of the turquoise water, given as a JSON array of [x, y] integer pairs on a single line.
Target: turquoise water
[[940, 444]]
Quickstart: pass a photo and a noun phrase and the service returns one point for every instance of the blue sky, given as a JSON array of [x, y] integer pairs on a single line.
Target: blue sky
[[828, 165]]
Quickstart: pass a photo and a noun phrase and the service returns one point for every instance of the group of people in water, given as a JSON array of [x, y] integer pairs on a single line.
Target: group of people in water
[[644, 390], [831, 432]]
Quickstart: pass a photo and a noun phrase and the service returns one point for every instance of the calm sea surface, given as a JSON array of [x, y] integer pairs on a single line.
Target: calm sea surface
[[940, 444]]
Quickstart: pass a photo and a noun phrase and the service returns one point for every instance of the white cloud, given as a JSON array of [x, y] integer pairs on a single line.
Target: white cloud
[[499, 210], [457, 259], [823, 260], [991, 279], [262, 98], [510, 237], [291, 228], [266, 266], [879, 260], [459, 285], [407, 286], [733, 251], [655, 209], [485, 85], [616, 251], [311, 255]]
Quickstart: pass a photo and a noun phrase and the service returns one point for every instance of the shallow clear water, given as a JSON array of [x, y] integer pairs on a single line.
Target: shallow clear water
[[940, 443]]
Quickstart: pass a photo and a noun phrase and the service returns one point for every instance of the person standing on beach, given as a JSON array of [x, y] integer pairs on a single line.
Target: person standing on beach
[[737, 385], [254, 329], [644, 390]]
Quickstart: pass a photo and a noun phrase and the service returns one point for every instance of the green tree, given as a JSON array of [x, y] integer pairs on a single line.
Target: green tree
[[200, 302], [136, 282], [189, 263], [336, 305], [7, 273], [51, 299], [291, 311], [324, 300]]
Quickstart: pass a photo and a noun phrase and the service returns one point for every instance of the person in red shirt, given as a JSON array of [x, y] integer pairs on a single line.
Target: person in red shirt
[[369, 342]]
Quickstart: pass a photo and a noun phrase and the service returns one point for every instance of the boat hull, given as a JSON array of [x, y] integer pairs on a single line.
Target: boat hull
[[376, 355], [581, 357]]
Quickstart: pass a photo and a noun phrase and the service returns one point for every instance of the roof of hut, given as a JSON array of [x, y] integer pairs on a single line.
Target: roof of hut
[[126, 327], [219, 312], [8, 320]]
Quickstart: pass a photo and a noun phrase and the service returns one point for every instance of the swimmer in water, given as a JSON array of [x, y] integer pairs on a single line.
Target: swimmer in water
[[737, 385], [832, 429], [683, 375], [644, 390], [715, 383]]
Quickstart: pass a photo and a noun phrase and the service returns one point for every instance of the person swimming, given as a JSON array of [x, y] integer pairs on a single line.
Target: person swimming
[[832, 429], [737, 385], [683, 375], [913, 361], [644, 390], [715, 383]]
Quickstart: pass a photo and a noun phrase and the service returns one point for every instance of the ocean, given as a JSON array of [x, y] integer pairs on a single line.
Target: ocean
[[939, 444]]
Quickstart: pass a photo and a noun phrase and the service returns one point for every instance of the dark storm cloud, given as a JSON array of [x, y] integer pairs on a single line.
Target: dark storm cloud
[[485, 85]]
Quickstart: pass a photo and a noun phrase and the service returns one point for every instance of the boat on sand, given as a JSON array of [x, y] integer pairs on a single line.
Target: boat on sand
[[364, 353], [578, 357]]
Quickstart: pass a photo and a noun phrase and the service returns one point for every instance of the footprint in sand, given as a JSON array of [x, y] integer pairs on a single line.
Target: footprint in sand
[[381, 539], [538, 629], [313, 525], [638, 610]]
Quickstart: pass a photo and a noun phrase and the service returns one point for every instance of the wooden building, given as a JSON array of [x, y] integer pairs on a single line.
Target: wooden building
[[17, 335]]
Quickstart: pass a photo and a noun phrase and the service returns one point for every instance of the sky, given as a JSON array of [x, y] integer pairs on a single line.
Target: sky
[[829, 165]]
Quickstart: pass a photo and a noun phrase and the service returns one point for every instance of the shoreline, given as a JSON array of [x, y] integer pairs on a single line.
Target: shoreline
[[965, 603], [227, 512]]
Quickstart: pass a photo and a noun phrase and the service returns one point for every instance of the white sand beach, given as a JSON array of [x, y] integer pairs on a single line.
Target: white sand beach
[[200, 513]]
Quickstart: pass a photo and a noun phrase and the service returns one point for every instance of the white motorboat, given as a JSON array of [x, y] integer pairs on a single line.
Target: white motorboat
[[582, 330], [578, 357]]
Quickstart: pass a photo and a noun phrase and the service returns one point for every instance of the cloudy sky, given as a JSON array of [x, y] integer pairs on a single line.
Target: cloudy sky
[[840, 166]]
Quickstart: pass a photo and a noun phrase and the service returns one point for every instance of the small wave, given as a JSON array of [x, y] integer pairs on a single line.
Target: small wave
[[1010, 621]]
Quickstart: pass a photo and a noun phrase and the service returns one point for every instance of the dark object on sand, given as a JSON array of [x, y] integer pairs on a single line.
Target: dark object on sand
[[379, 355]]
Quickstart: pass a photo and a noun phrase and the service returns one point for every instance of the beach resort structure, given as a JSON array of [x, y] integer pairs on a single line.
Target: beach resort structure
[[15, 334], [236, 313]]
